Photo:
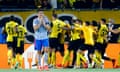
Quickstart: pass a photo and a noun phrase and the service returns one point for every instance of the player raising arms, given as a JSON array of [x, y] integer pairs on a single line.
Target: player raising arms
[[41, 28]]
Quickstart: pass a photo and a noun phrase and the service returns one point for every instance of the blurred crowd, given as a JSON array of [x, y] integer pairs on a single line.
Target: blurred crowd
[[58, 4]]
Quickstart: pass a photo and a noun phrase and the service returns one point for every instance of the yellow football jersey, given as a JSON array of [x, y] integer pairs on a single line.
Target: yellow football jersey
[[10, 30], [75, 33], [56, 28], [102, 34], [88, 35], [20, 34]]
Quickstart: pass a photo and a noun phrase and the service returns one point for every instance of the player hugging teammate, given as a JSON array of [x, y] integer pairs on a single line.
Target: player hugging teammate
[[15, 42], [86, 36]]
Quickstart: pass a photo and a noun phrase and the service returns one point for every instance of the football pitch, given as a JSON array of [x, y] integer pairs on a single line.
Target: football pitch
[[62, 70]]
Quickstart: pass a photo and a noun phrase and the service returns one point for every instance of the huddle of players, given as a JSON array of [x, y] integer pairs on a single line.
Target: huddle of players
[[15, 42], [83, 36]]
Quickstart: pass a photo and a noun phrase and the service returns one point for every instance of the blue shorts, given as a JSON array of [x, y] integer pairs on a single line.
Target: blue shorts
[[39, 44]]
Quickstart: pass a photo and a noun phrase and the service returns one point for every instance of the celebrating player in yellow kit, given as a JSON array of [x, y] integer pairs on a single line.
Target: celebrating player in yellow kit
[[56, 29], [10, 29], [21, 32]]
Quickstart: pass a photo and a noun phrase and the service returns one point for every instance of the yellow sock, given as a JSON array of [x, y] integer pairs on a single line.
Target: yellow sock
[[49, 58], [82, 57], [119, 60], [9, 53], [20, 61], [70, 57], [78, 59], [53, 58], [13, 61], [66, 57], [97, 58]]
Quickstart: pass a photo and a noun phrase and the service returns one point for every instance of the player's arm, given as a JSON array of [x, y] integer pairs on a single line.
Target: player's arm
[[78, 28], [46, 23], [115, 31], [3, 30], [25, 32], [63, 25], [36, 25]]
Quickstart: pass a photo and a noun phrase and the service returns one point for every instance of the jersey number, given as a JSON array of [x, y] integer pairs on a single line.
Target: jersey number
[[10, 30], [58, 27], [20, 34], [104, 32]]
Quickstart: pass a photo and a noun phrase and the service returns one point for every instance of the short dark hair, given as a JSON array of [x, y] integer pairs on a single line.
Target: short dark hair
[[94, 23], [79, 20], [87, 23], [55, 15], [12, 17], [38, 10], [103, 19]]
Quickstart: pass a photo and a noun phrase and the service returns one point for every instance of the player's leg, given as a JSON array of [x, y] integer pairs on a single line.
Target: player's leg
[[45, 44], [97, 56], [90, 54], [10, 52], [19, 52], [66, 56], [75, 48], [97, 59], [103, 50], [61, 45], [78, 62], [38, 48], [15, 41], [53, 47]]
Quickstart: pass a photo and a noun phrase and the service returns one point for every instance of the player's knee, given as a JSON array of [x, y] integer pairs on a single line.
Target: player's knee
[[39, 52], [91, 56], [46, 50]]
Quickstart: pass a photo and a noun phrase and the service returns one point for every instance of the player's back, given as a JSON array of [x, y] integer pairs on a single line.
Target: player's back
[[21, 32], [75, 33], [10, 30], [102, 33], [88, 35], [56, 28]]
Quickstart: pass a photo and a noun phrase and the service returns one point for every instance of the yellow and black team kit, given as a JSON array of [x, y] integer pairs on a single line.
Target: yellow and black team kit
[[56, 30], [89, 40], [73, 45], [11, 33], [102, 42], [10, 29], [97, 58], [54, 39], [21, 31]]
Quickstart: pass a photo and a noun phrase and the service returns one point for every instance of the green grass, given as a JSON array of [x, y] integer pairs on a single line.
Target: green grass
[[62, 70]]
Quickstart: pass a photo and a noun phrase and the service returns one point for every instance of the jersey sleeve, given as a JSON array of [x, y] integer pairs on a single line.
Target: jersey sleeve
[[35, 22], [62, 24], [25, 30], [47, 21], [6, 27]]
